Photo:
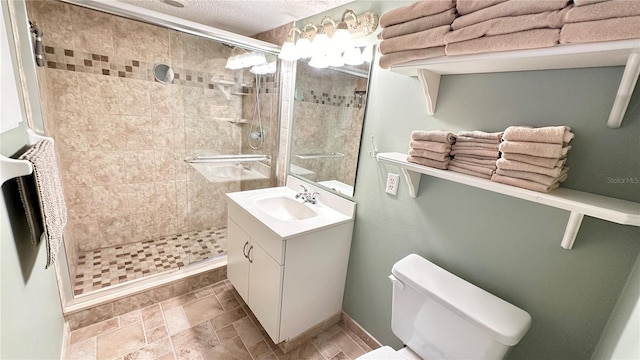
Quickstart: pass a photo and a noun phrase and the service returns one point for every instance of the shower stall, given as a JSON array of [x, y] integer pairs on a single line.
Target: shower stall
[[146, 160]]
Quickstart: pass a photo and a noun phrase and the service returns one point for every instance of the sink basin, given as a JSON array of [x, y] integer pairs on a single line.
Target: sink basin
[[284, 208]]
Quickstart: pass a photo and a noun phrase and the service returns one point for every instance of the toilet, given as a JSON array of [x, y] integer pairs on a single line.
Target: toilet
[[438, 315]]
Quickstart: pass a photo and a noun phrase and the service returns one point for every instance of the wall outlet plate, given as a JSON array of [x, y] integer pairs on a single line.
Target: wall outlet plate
[[393, 181]]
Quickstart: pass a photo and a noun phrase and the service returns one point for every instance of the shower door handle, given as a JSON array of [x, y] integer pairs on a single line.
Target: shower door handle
[[244, 248], [249, 254]]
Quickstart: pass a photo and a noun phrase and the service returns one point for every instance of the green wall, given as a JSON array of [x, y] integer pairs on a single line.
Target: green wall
[[30, 311], [507, 246]]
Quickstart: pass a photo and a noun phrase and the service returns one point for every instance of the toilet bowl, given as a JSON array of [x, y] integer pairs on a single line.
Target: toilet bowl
[[438, 315]]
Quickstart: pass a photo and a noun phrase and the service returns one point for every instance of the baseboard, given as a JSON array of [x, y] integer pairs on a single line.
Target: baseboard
[[291, 344], [360, 332], [66, 341]]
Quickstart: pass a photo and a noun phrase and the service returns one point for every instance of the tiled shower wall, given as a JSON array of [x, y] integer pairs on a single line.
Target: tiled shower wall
[[122, 138], [328, 118]]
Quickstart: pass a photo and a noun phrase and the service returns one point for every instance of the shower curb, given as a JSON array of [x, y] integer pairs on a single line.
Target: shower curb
[[101, 312]]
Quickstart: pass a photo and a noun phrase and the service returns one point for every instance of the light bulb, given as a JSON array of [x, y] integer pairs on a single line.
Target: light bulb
[[334, 59], [319, 61], [353, 57], [341, 40], [288, 52], [304, 48], [320, 43]]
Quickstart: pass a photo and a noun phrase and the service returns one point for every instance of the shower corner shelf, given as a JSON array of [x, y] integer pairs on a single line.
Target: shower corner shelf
[[228, 87], [578, 203], [612, 53], [231, 120]]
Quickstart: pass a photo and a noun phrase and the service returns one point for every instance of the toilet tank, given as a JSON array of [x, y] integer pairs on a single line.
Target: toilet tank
[[441, 316]]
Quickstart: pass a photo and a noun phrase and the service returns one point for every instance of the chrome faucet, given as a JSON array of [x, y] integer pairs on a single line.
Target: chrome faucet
[[305, 195]]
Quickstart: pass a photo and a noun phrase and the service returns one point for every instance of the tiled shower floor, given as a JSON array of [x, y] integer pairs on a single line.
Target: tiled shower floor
[[104, 267]]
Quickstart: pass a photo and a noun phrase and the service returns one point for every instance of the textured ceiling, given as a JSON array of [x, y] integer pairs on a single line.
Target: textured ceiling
[[245, 17]]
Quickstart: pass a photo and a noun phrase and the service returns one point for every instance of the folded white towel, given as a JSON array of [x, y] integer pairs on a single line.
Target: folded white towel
[[520, 166], [548, 134], [535, 149]]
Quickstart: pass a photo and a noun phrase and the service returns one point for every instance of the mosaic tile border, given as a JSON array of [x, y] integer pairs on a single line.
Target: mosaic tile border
[[71, 60], [314, 97], [101, 268]]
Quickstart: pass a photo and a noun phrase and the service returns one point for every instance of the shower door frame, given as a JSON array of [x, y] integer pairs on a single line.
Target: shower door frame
[[18, 15]]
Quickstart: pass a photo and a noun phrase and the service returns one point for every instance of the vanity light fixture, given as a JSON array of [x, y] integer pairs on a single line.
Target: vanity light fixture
[[331, 44]]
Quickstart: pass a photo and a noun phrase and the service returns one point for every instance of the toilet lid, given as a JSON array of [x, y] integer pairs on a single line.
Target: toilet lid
[[383, 353]]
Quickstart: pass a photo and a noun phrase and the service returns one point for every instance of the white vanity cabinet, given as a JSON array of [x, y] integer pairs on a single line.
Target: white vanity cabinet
[[291, 283]]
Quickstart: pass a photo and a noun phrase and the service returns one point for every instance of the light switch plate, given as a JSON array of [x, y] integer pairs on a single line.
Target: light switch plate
[[392, 183]]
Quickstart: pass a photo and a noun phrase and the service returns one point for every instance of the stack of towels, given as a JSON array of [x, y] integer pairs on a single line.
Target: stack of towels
[[415, 32], [431, 148], [501, 25], [601, 20], [534, 158], [475, 153]]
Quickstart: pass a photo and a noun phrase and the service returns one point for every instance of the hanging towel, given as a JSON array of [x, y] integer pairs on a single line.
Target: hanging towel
[[535, 149], [535, 160], [549, 134], [431, 146], [525, 184], [420, 40], [434, 135], [428, 162], [508, 8], [601, 30], [401, 57], [419, 24], [30, 201], [465, 7], [529, 39], [414, 11], [51, 199], [508, 25], [520, 166], [604, 10]]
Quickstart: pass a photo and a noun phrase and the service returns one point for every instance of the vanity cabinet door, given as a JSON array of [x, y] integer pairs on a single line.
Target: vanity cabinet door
[[265, 290], [238, 244]]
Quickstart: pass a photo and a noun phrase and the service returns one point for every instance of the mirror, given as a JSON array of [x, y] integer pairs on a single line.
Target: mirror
[[328, 115]]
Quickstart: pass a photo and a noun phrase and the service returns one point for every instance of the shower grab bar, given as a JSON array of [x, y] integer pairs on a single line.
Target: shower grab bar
[[319, 155], [11, 168], [226, 158]]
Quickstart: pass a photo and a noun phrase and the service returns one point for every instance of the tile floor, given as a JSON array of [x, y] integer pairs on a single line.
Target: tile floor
[[209, 323], [113, 265]]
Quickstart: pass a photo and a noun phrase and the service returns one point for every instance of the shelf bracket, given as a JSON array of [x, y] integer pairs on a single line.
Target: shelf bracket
[[571, 231], [413, 181], [430, 85], [625, 90]]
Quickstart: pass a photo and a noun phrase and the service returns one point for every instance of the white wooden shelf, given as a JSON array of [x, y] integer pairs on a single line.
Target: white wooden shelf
[[613, 53], [577, 202]]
